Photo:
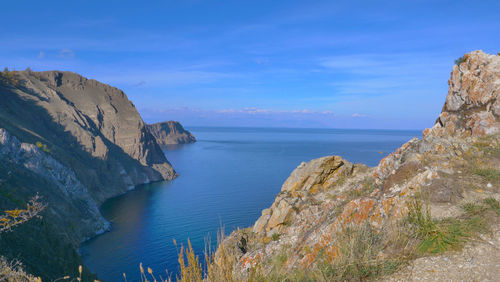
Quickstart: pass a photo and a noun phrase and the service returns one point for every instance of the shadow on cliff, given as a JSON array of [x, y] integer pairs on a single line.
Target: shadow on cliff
[[45, 246]]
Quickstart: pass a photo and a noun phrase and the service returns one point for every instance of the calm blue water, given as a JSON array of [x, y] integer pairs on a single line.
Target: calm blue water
[[227, 177]]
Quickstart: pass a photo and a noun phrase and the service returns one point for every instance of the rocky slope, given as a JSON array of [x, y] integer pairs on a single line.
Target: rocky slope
[[78, 142], [337, 220], [170, 133]]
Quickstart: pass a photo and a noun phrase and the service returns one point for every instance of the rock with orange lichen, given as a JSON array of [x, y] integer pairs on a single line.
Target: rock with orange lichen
[[472, 106], [326, 197]]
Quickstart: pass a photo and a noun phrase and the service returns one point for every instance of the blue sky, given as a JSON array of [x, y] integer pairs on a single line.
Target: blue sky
[[338, 64]]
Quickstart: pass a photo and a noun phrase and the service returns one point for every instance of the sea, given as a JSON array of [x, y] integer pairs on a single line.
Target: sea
[[225, 180]]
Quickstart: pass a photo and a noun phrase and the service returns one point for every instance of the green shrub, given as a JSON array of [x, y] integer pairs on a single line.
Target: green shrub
[[275, 237]]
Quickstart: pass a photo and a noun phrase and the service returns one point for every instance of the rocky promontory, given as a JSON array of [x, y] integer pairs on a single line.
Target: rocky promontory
[[76, 142], [170, 133], [334, 220]]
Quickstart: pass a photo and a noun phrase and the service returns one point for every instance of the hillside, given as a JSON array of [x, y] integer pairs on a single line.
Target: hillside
[[170, 133], [439, 195], [76, 142]]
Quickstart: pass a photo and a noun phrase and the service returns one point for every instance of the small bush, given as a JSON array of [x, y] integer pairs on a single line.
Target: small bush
[[12, 218], [9, 77], [275, 237], [42, 146], [13, 271]]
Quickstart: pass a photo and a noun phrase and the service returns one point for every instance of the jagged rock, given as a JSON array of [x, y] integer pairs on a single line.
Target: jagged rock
[[472, 106], [305, 181], [170, 133]]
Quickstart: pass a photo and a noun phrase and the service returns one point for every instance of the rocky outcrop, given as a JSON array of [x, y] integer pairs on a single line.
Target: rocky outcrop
[[79, 142], [313, 217], [472, 106], [170, 133]]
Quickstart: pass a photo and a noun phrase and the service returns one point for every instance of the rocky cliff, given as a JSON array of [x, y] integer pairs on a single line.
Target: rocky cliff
[[76, 142], [334, 220], [170, 133]]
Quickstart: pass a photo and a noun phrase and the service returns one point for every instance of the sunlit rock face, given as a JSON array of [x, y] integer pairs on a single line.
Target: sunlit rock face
[[472, 106], [327, 196]]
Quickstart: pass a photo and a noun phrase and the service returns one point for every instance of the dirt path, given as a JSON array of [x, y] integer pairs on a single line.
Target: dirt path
[[478, 261]]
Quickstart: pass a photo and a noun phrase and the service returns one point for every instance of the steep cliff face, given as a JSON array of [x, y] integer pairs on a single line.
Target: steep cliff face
[[170, 133], [338, 220], [79, 142], [88, 126]]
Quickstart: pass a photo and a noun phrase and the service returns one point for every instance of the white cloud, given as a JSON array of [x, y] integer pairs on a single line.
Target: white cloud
[[66, 53], [358, 115], [41, 55]]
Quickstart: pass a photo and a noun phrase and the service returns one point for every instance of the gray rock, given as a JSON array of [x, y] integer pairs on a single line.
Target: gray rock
[[170, 133]]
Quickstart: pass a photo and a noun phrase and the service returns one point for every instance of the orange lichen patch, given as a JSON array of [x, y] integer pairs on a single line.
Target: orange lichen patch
[[307, 260], [384, 161], [345, 216], [439, 148], [426, 132], [332, 252], [355, 212], [266, 240], [363, 211], [400, 210], [250, 261], [376, 218], [403, 147], [375, 193], [387, 204]]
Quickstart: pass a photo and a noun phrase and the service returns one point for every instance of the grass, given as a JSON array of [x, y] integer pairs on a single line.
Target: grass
[[488, 144], [438, 236], [488, 173], [275, 236], [358, 255], [493, 205]]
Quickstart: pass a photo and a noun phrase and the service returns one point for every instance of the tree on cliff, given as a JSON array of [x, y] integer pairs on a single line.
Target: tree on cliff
[[12, 271]]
